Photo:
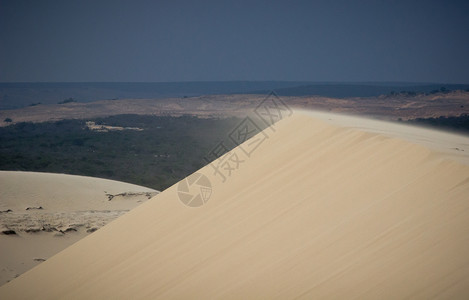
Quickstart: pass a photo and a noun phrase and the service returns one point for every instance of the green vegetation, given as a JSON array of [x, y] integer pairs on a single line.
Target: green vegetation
[[460, 123], [167, 150], [68, 100], [441, 90]]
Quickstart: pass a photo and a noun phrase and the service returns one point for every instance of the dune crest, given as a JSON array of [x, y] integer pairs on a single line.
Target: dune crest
[[318, 210]]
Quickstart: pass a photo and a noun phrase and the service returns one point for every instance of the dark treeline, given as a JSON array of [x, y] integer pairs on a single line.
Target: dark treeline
[[167, 150], [459, 124]]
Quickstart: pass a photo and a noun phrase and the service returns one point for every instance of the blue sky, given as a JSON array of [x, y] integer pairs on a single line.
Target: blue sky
[[150, 41]]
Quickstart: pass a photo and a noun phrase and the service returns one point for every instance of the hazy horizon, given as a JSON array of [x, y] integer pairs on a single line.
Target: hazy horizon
[[371, 83]]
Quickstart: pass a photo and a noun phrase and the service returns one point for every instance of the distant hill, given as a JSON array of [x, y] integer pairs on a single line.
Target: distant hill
[[365, 90], [17, 95]]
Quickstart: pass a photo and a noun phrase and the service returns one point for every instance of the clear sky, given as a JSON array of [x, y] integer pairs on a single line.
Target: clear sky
[[417, 41]]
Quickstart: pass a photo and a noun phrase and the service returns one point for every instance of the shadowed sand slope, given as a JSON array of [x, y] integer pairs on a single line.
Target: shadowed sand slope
[[317, 211], [43, 213]]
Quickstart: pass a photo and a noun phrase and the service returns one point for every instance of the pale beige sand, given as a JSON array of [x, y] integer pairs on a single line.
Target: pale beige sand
[[318, 211], [453, 145], [72, 207]]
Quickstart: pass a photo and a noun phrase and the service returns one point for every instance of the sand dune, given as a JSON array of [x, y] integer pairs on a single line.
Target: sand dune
[[318, 210], [45, 213]]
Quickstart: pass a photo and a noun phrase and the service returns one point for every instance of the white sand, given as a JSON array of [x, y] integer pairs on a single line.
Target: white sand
[[452, 145], [317, 211], [75, 205]]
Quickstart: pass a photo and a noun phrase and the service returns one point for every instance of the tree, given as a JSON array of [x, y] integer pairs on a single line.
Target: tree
[[69, 100], [8, 120]]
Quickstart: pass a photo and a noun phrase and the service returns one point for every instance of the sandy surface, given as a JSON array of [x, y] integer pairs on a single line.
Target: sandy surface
[[318, 210], [49, 212], [452, 145]]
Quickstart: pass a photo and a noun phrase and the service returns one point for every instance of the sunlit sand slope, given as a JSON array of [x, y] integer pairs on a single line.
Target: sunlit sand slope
[[317, 211]]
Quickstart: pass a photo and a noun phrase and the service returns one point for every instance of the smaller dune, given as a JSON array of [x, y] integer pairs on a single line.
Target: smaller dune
[[43, 213]]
